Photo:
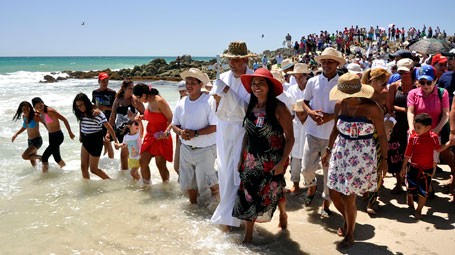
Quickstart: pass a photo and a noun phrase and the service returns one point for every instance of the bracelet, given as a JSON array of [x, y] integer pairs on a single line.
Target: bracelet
[[383, 157], [452, 132], [328, 149]]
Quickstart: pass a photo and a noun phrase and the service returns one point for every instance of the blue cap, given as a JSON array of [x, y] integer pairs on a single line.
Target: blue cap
[[393, 78], [426, 72]]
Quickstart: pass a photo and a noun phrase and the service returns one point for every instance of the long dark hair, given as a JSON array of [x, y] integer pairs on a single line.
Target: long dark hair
[[37, 100], [141, 89], [270, 105], [18, 114], [88, 107], [122, 89]]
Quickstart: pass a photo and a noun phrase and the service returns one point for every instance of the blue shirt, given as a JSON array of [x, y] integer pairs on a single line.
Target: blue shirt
[[445, 81]]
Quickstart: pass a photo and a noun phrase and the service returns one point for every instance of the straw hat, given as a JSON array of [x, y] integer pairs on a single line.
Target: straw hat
[[287, 63], [195, 73], [277, 74], [261, 72], [300, 68], [378, 72], [349, 85], [298, 107], [237, 50], [331, 53]]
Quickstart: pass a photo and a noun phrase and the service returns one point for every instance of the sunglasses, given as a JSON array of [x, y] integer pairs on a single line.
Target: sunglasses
[[422, 83]]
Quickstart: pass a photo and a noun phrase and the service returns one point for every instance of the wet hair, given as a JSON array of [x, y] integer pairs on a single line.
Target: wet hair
[[18, 114], [270, 105], [424, 119], [141, 89], [88, 107], [122, 89], [37, 100]]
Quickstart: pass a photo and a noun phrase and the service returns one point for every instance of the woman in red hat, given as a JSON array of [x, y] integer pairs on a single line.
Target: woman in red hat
[[268, 141]]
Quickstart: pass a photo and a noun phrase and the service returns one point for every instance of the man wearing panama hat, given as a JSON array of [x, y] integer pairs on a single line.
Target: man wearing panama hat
[[232, 98], [321, 112], [197, 135]]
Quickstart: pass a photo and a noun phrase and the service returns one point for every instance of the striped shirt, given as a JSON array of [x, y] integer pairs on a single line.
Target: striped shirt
[[93, 125]]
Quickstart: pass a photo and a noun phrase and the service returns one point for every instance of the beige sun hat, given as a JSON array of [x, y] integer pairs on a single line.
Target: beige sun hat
[[277, 74], [300, 68], [349, 85], [298, 106], [287, 63], [405, 64], [195, 73], [331, 53], [237, 49]]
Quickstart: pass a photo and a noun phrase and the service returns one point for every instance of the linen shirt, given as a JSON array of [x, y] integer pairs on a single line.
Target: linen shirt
[[317, 92]]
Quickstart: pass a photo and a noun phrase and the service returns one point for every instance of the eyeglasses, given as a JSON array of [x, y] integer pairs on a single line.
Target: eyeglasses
[[450, 58], [423, 83]]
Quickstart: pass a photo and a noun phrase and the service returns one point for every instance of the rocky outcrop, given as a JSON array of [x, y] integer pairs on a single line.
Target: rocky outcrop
[[157, 69]]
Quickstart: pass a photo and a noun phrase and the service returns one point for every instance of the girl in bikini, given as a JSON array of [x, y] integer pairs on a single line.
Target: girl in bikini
[[31, 124], [52, 120]]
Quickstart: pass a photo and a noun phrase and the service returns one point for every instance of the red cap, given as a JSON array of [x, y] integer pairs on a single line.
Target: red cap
[[102, 76], [438, 58]]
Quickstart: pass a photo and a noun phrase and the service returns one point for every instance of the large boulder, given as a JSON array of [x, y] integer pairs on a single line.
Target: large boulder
[[186, 58], [49, 79]]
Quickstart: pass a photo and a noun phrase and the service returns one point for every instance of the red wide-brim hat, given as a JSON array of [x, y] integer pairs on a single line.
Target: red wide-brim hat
[[261, 72]]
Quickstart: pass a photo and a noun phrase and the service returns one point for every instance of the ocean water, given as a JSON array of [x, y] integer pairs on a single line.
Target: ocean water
[[60, 213], [55, 64]]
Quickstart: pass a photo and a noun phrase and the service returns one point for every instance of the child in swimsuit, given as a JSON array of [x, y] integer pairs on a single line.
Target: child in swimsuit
[[31, 124], [133, 141], [52, 120]]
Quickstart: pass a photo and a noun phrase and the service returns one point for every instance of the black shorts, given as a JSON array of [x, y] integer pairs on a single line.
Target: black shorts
[[36, 142], [418, 181], [93, 143]]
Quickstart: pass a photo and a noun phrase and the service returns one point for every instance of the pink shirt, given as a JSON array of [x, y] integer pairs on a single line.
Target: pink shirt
[[428, 104]]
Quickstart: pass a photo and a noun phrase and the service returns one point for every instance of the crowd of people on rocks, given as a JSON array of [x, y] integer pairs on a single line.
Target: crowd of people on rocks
[[377, 36], [356, 119]]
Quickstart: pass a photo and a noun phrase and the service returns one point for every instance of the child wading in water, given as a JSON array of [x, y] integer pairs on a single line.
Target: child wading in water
[[133, 141], [52, 120], [91, 121], [422, 154], [31, 124]]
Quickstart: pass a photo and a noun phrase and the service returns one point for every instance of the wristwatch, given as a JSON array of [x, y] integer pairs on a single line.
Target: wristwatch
[[195, 133]]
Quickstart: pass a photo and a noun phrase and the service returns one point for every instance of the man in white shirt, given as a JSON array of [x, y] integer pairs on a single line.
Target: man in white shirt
[[232, 99], [195, 123], [301, 74], [320, 124]]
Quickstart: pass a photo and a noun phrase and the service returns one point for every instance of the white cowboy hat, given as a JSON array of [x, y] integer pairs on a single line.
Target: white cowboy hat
[[195, 73], [331, 53], [300, 68], [349, 85], [237, 50]]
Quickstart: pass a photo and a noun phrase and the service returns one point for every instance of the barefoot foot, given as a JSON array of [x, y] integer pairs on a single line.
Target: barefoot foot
[[283, 221]]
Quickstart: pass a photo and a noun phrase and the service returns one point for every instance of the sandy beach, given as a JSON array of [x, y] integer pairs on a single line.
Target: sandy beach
[[114, 217]]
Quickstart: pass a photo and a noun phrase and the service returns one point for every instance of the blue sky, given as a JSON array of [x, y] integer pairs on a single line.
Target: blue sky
[[198, 28]]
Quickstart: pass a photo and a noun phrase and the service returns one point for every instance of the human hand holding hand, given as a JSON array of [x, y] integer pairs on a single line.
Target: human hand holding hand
[[278, 169]]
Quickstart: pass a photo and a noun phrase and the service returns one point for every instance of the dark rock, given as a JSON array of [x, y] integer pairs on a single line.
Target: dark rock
[[186, 58], [49, 79], [61, 78]]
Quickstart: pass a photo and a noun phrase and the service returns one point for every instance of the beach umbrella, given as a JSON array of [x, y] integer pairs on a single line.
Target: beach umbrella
[[428, 46]]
